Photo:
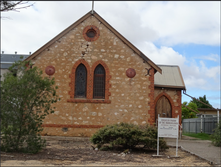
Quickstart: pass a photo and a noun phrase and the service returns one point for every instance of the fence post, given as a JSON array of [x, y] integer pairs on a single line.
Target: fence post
[[201, 124], [213, 124], [196, 126], [189, 126], [217, 117]]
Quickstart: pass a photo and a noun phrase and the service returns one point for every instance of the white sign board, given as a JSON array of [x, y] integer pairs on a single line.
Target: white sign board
[[168, 127]]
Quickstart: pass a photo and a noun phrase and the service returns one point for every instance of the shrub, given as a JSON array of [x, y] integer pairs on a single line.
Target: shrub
[[26, 99], [216, 136], [128, 136]]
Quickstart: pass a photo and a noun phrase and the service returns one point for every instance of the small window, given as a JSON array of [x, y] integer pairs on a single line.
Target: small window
[[99, 82], [91, 33], [80, 81]]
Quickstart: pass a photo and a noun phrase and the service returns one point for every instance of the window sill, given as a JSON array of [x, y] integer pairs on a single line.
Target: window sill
[[88, 101]]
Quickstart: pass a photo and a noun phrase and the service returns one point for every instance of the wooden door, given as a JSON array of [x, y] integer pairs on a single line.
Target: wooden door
[[163, 108]]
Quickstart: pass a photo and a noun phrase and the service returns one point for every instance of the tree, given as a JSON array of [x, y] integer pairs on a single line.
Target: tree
[[26, 99], [14, 5], [201, 105], [187, 112]]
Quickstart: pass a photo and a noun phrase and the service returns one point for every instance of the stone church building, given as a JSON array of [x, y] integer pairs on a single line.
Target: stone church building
[[104, 79]]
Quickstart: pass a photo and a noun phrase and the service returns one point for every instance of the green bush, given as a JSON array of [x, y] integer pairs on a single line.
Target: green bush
[[216, 136], [128, 136], [26, 99]]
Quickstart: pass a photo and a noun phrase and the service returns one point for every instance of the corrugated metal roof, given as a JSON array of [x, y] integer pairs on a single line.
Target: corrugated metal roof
[[171, 77], [12, 57], [8, 59]]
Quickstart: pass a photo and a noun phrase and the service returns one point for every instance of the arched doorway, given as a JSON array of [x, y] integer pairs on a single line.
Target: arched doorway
[[163, 108]]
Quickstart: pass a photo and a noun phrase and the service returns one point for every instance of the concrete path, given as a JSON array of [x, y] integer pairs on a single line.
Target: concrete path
[[201, 148]]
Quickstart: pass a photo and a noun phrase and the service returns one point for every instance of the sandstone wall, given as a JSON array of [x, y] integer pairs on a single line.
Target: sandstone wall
[[129, 98]]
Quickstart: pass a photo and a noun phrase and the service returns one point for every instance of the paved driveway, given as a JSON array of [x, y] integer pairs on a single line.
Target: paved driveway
[[202, 148]]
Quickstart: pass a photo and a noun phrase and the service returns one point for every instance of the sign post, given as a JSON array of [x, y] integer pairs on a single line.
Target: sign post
[[168, 127]]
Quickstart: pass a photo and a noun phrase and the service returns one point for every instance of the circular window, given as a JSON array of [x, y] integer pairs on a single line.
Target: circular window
[[91, 33]]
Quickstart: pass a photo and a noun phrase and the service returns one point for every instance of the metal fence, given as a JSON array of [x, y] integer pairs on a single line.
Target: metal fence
[[198, 125]]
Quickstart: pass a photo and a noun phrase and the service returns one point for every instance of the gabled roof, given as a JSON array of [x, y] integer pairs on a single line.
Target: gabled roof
[[137, 51], [171, 78]]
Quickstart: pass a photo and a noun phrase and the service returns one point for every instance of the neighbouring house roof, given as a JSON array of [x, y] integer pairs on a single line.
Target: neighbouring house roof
[[208, 109], [208, 112], [71, 27], [8, 59], [171, 77]]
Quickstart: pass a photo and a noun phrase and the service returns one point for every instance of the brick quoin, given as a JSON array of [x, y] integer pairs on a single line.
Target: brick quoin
[[90, 81], [151, 112], [179, 107]]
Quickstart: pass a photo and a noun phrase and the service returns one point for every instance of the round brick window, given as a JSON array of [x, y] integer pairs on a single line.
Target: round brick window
[[91, 33]]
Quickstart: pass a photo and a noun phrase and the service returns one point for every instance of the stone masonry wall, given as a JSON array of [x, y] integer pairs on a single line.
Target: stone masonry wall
[[129, 99]]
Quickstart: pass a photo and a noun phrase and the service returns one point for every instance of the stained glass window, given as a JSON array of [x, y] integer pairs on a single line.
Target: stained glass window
[[80, 81], [99, 82]]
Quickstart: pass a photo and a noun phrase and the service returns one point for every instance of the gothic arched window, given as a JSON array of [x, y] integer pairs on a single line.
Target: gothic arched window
[[80, 82], [99, 82]]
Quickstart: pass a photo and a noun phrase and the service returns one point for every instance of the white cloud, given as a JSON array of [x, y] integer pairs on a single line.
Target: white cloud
[[211, 57], [164, 55], [142, 23], [31, 28], [195, 76], [126, 20], [211, 73], [184, 22], [169, 23]]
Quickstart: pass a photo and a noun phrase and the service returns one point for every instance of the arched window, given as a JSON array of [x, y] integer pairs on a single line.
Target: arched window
[[99, 82], [80, 82], [89, 85]]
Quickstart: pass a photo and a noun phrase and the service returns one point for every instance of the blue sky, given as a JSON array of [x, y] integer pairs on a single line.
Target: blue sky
[[210, 56], [184, 33]]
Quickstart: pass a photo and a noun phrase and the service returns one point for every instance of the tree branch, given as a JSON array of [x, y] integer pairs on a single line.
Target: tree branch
[[13, 5], [190, 109], [37, 97]]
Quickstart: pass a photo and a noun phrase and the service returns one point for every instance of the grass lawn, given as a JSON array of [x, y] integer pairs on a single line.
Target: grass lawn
[[202, 136]]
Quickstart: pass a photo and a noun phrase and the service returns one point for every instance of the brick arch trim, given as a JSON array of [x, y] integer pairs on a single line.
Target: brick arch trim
[[72, 76], [107, 78], [170, 100]]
